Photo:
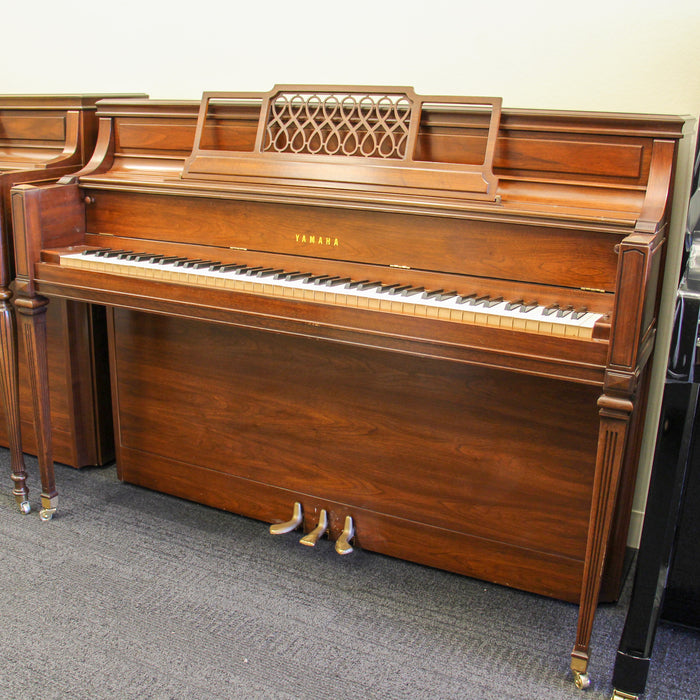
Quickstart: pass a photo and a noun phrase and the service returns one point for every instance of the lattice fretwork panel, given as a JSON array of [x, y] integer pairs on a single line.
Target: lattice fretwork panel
[[338, 124]]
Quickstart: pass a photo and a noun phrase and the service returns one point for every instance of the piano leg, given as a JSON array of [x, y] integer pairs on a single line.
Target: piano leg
[[9, 381], [32, 316], [614, 419]]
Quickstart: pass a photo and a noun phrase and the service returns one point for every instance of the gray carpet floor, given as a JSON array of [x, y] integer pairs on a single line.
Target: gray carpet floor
[[129, 593]]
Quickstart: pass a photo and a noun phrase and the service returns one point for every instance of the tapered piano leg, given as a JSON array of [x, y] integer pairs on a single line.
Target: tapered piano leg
[[9, 381], [614, 419], [32, 317]]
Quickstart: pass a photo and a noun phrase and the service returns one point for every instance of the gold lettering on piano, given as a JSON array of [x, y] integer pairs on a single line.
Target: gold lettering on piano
[[313, 239]]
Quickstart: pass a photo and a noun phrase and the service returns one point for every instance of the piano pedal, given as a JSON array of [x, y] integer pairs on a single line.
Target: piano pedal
[[318, 532], [293, 524], [342, 544]]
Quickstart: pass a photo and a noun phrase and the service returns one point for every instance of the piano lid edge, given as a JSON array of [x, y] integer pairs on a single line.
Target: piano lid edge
[[616, 223]]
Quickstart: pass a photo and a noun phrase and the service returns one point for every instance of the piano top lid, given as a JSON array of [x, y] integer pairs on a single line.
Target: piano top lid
[[61, 102], [344, 138], [41, 131]]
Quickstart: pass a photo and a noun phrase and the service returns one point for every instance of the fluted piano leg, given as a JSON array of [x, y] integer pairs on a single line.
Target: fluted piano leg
[[9, 382], [614, 419], [32, 317]]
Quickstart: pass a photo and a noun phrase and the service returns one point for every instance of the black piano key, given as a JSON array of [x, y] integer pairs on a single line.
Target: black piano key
[[182, 262], [99, 252], [293, 277], [579, 313], [195, 263], [203, 265], [116, 253], [367, 286], [337, 281], [468, 298], [565, 312], [254, 271], [400, 290], [412, 291], [552, 308], [478, 301], [387, 288], [153, 259], [316, 279], [269, 272], [356, 285], [526, 308], [228, 267], [447, 295], [432, 294], [283, 275], [511, 305], [493, 302], [326, 279], [171, 259]]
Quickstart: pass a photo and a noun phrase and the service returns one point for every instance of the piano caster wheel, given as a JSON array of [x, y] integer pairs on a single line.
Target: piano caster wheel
[[581, 680], [621, 695], [342, 544], [318, 532], [46, 514], [25, 507], [293, 524]]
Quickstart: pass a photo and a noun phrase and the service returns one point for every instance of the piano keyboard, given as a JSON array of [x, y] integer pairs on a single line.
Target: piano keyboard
[[449, 305]]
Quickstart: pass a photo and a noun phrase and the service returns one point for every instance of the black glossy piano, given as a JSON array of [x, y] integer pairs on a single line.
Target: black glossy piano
[[667, 578]]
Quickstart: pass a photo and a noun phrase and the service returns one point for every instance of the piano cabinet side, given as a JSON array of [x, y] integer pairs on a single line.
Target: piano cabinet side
[[631, 344], [41, 216]]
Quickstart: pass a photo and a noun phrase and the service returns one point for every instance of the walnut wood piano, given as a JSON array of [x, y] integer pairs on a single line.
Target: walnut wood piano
[[419, 325], [42, 138]]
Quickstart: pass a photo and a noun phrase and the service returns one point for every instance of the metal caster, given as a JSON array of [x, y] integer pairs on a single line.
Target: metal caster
[[25, 507], [46, 514], [621, 695], [581, 680]]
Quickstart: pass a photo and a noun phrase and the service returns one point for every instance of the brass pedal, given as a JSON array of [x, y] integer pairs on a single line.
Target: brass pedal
[[342, 544], [293, 524], [318, 532]]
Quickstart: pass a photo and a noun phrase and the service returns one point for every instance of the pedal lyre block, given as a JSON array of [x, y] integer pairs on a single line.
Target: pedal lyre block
[[318, 532], [293, 524]]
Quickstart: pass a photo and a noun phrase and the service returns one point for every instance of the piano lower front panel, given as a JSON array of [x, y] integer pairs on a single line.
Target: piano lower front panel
[[475, 470]]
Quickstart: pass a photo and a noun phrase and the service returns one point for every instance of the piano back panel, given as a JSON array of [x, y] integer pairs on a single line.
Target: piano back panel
[[480, 248], [459, 450]]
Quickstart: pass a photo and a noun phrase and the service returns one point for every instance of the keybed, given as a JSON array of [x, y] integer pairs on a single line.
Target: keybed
[[446, 304]]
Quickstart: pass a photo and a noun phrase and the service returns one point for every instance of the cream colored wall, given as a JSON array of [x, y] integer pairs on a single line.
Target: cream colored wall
[[610, 55]]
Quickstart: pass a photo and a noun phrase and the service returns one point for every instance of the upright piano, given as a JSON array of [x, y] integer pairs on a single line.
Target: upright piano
[[42, 138], [421, 325]]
